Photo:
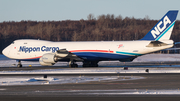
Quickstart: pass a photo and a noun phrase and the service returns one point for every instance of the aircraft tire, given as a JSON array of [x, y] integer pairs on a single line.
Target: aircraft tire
[[19, 65], [74, 65], [90, 64], [85, 65]]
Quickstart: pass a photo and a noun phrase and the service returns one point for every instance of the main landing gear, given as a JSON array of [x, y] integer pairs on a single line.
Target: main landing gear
[[72, 64], [19, 65], [90, 64]]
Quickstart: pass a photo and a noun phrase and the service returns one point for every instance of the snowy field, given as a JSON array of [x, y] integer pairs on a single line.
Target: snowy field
[[37, 80], [25, 80], [94, 71], [157, 58], [124, 92]]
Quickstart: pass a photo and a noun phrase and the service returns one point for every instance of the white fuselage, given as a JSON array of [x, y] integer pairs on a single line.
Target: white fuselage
[[34, 49]]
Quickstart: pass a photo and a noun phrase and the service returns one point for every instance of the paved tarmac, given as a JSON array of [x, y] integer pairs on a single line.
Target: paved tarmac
[[95, 90], [103, 65]]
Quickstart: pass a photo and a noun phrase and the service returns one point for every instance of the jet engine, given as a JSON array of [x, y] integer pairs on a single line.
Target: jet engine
[[48, 59]]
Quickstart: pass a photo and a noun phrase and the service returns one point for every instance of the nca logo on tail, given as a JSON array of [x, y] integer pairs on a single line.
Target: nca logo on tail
[[160, 27]]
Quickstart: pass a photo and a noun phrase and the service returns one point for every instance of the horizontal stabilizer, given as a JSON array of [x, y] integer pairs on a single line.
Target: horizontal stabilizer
[[163, 29], [159, 43]]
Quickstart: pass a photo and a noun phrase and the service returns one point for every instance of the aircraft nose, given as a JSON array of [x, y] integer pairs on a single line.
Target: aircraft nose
[[5, 52]]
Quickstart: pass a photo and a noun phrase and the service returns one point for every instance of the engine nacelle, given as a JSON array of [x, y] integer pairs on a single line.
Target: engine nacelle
[[45, 64], [48, 59]]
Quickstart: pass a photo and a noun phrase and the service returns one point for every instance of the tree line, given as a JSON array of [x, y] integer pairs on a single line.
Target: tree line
[[103, 28]]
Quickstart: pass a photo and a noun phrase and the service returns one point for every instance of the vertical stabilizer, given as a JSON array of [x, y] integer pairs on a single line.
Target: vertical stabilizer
[[163, 29]]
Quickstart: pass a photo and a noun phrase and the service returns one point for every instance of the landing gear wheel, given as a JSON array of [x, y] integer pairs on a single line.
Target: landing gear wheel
[[90, 64], [74, 65], [19, 65], [95, 65], [85, 65]]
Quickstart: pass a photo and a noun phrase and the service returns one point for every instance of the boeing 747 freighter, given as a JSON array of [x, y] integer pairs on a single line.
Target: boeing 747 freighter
[[91, 52]]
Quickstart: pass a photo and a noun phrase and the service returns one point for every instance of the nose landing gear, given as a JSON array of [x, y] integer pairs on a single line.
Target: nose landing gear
[[19, 65]]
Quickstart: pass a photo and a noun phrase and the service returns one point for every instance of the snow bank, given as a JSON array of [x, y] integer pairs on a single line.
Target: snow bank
[[157, 57], [23, 80]]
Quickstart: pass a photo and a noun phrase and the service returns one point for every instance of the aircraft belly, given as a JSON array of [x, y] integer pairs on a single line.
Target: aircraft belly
[[95, 56], [29, 59]]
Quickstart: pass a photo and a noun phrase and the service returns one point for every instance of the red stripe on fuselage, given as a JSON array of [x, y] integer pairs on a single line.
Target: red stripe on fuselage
[[106, 51], [92, 51]]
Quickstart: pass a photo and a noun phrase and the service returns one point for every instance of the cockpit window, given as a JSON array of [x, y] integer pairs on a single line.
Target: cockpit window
[[12, 43]]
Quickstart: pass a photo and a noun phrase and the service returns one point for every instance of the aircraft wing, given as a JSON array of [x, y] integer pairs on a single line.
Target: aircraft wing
[[63, 54]]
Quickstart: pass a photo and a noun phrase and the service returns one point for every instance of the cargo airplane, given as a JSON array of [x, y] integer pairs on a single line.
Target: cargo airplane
[[91, 52]]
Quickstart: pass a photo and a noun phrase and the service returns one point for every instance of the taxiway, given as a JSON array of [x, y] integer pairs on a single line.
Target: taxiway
[[118, 84]]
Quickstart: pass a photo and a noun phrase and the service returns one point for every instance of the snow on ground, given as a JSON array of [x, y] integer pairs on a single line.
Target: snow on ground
[[94, 71], [128, 92], [26, 80], [157, 57], [152, 92]]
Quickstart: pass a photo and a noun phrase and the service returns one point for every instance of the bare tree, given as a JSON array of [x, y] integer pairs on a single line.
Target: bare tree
[[90, 17]]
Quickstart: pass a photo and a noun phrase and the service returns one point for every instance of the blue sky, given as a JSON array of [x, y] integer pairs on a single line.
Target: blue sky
[[44, 10]]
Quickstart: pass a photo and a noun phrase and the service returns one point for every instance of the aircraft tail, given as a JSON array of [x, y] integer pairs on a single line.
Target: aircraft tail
[[163, 29]]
